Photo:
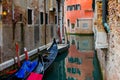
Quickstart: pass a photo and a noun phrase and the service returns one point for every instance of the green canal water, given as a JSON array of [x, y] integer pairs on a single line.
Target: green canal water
[[64, 67]]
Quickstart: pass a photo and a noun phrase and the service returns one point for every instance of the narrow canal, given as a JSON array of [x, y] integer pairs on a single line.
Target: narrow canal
[[78, 63]]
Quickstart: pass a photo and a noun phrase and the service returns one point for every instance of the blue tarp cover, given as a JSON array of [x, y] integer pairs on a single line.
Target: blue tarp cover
[[27, 66]]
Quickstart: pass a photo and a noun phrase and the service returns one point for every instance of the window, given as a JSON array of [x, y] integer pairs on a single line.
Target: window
[[78, 7], [68, 22], [71, 8], [85, 43], [46, 18], [77, 22], [72, 25], [74, 7], [29, 16], [55, 19], [41, 17], [68, 8], [85, 26]]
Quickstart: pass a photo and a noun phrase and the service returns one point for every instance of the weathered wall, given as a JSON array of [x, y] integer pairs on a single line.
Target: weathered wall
[[109, 59], [85, 12], [101, 54], [113, 66], [80, 29], [82, 13], [25, 34]]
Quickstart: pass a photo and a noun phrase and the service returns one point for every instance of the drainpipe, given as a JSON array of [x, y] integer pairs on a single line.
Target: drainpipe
[[104, 15]]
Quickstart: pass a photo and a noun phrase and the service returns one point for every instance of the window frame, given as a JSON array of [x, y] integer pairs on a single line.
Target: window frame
[[32, 16]]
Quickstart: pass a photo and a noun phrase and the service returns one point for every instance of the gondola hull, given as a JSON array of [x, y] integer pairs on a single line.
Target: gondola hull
[[45, 62]]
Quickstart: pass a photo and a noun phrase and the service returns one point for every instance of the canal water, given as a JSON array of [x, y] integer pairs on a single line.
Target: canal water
[[78, 63]]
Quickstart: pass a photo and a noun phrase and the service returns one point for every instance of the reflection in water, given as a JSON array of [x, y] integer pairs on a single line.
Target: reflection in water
[[82, 43], [74, 70], [78, 64], [75, 60], [57, 70]]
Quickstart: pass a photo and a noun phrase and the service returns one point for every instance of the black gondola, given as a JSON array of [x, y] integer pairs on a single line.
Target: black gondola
[[27, 67], [45, 61], [31, 69]]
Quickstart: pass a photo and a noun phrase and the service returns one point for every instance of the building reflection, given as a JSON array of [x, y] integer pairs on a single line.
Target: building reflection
[[83, 43], [79, 60]]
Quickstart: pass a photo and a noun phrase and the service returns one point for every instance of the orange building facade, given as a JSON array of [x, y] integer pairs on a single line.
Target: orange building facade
[[78, 16]]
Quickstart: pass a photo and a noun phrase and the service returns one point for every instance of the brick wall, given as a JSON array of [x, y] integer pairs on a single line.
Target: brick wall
[[8, 43]]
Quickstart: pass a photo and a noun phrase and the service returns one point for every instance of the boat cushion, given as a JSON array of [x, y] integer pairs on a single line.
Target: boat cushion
[[35, 76]]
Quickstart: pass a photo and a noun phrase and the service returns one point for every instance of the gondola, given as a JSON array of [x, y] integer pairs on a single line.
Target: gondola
[[27, 67], [49, 57], [46, 60], [30, 69]]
